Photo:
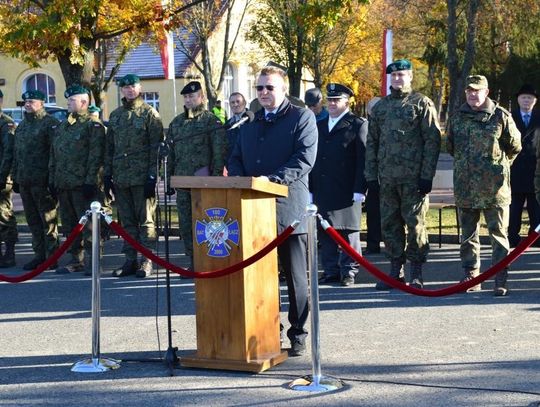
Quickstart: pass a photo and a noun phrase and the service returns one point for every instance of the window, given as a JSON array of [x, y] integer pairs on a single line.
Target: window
[[251, 92], [227, 88], [152, 98], [43, 83]]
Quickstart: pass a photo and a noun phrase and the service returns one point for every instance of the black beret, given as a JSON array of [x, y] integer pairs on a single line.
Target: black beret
[[527, 89], [33, 94], [129, 79], [191, 87], [76, 90], [399, 65], [336, 90]]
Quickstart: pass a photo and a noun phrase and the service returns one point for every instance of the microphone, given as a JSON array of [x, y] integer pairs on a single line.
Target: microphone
[[248, 116]]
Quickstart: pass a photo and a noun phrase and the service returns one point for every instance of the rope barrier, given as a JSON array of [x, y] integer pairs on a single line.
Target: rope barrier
[[430, 293], [50, 261], [201, 274]]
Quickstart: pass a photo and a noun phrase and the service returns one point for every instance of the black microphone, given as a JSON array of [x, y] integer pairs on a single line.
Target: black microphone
[[248, 116]]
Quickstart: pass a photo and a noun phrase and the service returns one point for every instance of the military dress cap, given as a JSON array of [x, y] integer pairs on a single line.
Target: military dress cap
[[129, 79], [399, 65], [527, 89], [191, 87], [313, 96], [33, 94], [93, 109], [476, 82], [336, 90], [76, 90]]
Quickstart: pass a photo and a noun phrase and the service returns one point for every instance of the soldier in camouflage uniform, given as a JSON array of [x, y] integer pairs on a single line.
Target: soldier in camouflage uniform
[[198, 148], [402, 150], [484, 140], [135, 129], [8, 222], [33, 139], [76, 157]]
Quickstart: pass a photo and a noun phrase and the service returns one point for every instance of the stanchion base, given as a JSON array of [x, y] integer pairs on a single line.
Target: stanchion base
[[325, 383], [94, 365]]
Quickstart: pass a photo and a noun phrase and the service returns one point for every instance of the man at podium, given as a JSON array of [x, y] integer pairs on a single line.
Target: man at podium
[[281, 144]]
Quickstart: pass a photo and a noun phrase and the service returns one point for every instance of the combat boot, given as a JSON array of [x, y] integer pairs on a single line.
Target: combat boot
[[8, 259], [469, 274], [128, 268], [500, 283], [145, 269], [32, 264], [396, 272], [76, 264], [416, 279]]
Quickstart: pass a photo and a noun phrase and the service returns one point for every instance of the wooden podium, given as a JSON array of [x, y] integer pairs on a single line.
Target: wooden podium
[[238, 314]]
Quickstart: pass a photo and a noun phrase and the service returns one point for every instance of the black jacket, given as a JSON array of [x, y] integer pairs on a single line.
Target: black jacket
[[285, 149], [523, 167]]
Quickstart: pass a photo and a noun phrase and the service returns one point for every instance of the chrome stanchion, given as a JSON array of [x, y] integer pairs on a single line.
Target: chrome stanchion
[[95, 363], [315, 382]]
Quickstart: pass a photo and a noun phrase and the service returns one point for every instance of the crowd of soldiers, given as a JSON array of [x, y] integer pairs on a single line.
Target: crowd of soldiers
[[390, 158]]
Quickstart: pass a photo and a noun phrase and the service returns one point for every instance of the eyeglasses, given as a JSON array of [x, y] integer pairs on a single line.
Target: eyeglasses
[[267, 87]]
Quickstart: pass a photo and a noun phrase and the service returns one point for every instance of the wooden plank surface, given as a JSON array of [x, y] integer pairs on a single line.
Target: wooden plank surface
[[253, 183]]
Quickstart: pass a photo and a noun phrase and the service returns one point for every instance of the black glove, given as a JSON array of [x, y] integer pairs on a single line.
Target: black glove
[[373, 186], [150, 188], [16, 187], [170, 191], [52, 191], [2, 185], [108, 185], [89, 191], [424, 186]]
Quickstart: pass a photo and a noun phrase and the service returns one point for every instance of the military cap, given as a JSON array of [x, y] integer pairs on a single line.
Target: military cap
[[336, 90], [476, 82], [191, 87], [399, 65], [313, 96], [33, 94], [1, 94], [527, 89], [76, 90], [276, 65], [93, 109], [129, 79]]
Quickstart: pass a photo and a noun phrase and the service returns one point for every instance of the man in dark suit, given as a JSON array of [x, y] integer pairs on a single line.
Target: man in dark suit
[[527, 120], [338, 183], [281, 145]]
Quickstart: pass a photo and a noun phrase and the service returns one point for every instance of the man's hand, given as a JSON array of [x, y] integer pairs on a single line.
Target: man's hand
[[425, 186], [150, 188]]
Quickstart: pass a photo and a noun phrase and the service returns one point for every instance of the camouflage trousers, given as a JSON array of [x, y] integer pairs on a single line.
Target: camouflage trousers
[[497, 224], [404, 209], [40, 210], [183, 206], [137, 215], [73, 205], [8, 222]]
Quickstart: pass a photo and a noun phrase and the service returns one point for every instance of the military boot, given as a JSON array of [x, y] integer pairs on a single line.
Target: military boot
[[128, 268], [145, 269], [88, 263], [396, 272], [469, 274], [8, 259], [32, 264], [500, 283], [416, 279], [76, 264]]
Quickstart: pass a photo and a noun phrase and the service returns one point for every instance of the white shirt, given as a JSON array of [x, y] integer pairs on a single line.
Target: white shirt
[[333, 121]]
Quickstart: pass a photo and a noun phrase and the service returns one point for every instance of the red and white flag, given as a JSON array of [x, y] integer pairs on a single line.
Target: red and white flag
[[386, 60], [166, 49]]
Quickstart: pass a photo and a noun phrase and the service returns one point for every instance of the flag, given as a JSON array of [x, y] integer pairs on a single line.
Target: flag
[[166, 48], [386, 60]]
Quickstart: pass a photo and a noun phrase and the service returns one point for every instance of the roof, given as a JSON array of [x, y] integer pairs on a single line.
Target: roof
[[145, 61]]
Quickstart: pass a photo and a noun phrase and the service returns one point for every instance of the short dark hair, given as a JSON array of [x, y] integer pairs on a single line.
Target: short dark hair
[[238, 94]]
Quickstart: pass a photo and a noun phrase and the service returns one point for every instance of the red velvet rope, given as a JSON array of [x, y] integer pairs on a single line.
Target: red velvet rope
[[201, 274], [47, 263], [433, 293]]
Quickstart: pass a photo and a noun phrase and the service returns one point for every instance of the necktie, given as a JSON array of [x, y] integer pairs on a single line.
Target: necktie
[[270, 117], [526, 118]]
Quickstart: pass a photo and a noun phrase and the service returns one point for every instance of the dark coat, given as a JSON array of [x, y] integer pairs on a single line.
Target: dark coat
[[339, 171], [284, 149], [523, 167]]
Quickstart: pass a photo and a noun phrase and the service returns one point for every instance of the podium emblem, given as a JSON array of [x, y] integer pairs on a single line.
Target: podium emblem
[[217, 233]]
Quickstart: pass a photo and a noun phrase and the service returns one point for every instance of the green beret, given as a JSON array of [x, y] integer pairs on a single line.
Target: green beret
[[336, 90], [94, 109], [129, 79], [33, 94], [191, 87], [476, 82], [76, 90], [1, 94], [399, 65]]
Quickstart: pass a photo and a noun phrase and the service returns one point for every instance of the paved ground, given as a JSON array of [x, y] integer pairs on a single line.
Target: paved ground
[[391, 349]]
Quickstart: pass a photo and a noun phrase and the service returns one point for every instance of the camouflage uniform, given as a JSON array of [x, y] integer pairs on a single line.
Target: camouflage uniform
[[8, 222], [33, 139], [76, 158], [195, 145], [402, 148], [484, 143], [135, 128]]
